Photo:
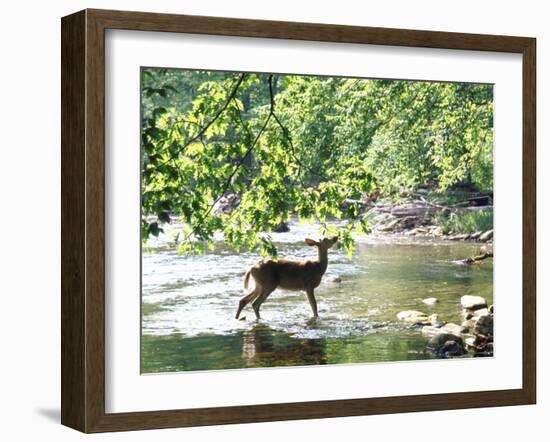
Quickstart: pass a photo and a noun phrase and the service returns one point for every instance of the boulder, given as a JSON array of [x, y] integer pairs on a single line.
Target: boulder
[[446, 345], [282, 227], [476, 235], [483, 346], [484, 325], [451, 349], [460, 237], [469, 324], [486, 236], [413, 317], [480, 312], [430, 301], [430, 330], [440, 329], [470, 302], [335, 279], [453, 329]]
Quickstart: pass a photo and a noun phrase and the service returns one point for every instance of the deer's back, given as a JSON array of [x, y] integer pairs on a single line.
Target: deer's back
[[288, 274]]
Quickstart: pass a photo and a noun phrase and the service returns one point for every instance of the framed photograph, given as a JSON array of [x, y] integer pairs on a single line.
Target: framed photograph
[[267, 221]]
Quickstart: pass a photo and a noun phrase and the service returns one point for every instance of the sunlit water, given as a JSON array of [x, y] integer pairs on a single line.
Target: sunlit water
[[189, 304]]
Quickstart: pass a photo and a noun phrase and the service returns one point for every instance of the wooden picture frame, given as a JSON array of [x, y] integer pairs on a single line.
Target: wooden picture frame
[[83, 220]]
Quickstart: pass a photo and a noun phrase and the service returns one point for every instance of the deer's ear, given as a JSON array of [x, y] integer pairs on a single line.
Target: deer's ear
[[311, 242]]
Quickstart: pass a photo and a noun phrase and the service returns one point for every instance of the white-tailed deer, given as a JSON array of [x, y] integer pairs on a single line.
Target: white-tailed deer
[[287, 274]]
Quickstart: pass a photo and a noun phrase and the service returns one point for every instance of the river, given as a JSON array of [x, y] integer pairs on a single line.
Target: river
[[189, 303]]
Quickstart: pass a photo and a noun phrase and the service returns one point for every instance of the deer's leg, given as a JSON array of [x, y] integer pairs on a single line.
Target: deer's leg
[[266, 291], [312, 302], [242, 303]]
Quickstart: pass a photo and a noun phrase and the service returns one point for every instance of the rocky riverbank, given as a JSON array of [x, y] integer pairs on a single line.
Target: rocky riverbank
[[447, 340], [418, 217], [409, 216]]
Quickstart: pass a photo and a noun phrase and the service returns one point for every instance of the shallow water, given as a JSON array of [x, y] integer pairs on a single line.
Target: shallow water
[[189, 304]]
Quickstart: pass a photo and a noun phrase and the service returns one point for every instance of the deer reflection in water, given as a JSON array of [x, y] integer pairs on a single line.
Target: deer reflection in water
[[261, 347]]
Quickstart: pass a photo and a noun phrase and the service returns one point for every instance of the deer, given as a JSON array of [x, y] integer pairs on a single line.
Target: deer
[[287, 274]]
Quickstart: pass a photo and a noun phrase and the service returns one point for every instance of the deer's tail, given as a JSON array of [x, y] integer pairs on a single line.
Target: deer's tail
[[246, 278]]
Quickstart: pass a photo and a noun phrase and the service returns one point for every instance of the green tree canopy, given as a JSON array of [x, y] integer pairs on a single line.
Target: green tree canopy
[[313, 146]]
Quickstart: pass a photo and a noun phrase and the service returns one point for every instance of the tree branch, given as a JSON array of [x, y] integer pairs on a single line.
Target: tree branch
[[241, 161], [220, 111]]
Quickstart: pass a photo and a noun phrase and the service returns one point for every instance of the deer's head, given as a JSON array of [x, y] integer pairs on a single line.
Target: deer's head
[[323, 244]]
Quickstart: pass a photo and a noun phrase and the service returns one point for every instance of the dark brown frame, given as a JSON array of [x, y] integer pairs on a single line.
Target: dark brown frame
[[83, 217]]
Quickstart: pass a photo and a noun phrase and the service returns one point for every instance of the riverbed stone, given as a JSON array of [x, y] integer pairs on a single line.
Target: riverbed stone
[[451, 349], [430, 301], [469, 324], [451, 328], [446, 345], [486, 236], [282, 227], [481, 312], [484, 325], [430, 330], [476, 235], [413, 317], [459, 237], [445, 329], [470, 302]]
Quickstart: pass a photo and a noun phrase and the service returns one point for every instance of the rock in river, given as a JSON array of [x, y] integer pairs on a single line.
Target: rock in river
[[460, 237], [481, 312], [447, 329], [282, 227], [430, 301], [413, 317], [484, 325], [469, 324], [446, 345], [451, 348], [453, 329], [486, 236], [470, 302]]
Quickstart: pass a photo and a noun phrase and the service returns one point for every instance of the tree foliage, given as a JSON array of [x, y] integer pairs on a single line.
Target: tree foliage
[[313, 146]]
